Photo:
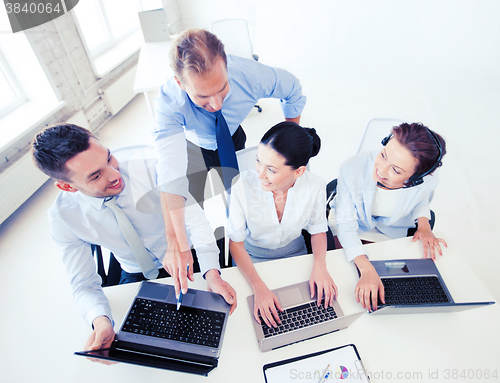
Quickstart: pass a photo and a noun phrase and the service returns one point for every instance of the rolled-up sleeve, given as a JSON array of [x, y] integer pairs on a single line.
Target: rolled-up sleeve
[[201, 237], [237, 222], [279, 83], [171, 149], [317, 221]]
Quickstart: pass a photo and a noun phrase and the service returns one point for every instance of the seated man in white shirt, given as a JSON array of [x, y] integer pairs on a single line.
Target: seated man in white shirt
[[89, 175]]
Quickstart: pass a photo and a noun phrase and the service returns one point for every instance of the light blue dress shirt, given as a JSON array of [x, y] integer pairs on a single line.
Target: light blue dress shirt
[[353, 204], [178, 118], [77, 221]]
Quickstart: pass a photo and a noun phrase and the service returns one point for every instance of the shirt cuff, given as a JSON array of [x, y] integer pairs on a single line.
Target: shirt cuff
[[421, 212], [318, 228], [207, 261], [99, 311], [353, 252]]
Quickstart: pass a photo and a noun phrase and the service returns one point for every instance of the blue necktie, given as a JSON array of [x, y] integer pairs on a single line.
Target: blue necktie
[[135, 243], [225, 146]]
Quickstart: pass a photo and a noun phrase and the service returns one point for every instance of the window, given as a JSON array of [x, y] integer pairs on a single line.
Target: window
[[11, 94], [111, 31], [27, 95]]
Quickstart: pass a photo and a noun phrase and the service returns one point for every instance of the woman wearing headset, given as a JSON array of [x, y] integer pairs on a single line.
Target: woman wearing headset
[[388, 191], [270, 206]]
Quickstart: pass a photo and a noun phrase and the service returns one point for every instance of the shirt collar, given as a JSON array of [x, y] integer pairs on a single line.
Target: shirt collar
[[98, 202]]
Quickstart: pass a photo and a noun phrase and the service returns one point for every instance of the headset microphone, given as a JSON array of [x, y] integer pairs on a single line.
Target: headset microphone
[[417, 179]]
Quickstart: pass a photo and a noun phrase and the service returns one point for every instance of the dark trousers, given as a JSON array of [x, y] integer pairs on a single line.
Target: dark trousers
[[138, 277], [200, 161]]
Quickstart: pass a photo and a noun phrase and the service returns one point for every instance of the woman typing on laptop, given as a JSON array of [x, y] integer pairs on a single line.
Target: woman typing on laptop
[[271, 205], [388, 191]]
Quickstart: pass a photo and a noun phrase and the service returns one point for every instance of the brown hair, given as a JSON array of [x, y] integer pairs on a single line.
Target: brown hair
[[419, 140], [195, 51]]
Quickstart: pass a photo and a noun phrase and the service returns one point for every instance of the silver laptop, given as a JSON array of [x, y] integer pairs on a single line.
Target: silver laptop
[[415, 286], [301, 318], [155, 334]]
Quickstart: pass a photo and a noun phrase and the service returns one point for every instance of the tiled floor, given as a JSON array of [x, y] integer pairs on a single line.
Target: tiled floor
[[348, 85]]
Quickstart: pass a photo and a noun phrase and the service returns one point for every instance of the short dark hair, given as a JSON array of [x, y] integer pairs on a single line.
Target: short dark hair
[[417, 138], [196, 51], [295, 143], [57, 144]]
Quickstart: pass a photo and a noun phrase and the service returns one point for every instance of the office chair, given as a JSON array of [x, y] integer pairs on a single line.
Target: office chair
[[112, 276], [375, 130], [236, 39]]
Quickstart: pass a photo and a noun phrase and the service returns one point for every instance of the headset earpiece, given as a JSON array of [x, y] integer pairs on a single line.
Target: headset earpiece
[[417, 179], [386, 139]]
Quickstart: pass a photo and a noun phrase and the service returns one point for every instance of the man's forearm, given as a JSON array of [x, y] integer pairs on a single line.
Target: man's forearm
[[172, 207]]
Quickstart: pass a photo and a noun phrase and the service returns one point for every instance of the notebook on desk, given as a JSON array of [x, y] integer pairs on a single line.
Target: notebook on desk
[[415, 286], [155, 334], [301, 318]]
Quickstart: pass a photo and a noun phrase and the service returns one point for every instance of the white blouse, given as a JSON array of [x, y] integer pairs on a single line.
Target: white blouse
[[385, 202], [252, 211]]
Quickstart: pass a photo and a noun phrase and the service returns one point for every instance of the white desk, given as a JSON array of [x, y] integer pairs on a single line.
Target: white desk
[[152, 70], [412, 346]]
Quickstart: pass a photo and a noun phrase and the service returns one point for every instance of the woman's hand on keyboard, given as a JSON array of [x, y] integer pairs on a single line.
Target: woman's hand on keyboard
[[321, 284], [369, 286], [267, 304]]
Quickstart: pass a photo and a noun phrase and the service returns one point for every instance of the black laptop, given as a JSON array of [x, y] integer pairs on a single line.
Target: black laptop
[[155, 334]]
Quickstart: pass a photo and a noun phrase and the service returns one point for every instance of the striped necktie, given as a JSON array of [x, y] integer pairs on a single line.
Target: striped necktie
[[146, 263]]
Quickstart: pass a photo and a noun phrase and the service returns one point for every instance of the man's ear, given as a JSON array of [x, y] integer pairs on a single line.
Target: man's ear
[[179, 83], [64, 186], [300, 171]]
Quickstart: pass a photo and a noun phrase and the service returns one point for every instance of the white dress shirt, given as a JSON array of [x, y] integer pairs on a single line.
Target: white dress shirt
[[77, 221], [252, 211]]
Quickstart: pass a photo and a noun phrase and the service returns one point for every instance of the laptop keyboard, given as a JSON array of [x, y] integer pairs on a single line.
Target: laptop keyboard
[[162, 320], [299, 317], [413, 291]]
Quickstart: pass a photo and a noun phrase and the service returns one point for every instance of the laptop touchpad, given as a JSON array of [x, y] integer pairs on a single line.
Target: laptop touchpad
[[188, 298], [290, 297]]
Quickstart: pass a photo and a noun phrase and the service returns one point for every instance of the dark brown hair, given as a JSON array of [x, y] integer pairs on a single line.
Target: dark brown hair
[[418, 139], [57, 144]]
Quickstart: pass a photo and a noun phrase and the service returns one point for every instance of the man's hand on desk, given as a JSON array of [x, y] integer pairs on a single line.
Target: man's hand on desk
[[176, 262], [102, 337], [217, 285], [369, 285]]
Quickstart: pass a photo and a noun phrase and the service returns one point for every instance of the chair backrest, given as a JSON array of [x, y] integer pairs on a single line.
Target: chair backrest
[[246, 158], [375, 130], [235, 36]]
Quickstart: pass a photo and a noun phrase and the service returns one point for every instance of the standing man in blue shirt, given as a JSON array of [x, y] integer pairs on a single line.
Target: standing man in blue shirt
[[206, 81], [90, 177]]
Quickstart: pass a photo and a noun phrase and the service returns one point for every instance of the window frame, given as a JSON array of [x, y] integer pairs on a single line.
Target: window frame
[[100, 55], [14, 84]]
